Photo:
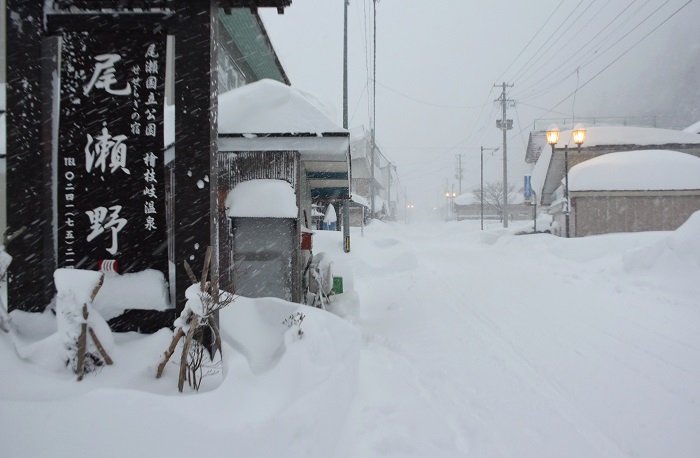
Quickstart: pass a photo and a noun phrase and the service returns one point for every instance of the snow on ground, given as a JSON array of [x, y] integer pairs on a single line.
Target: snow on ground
[[448, 341]]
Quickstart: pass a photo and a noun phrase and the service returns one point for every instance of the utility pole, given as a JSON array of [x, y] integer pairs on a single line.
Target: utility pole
[[482, 183], [346, 202], [374, 115], [505, 125], [460, 172]]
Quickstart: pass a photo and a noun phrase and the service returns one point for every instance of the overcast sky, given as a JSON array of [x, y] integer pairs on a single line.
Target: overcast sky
[[437, 62]]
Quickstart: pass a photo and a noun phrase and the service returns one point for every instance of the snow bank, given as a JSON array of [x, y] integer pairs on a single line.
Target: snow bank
[[637, 170], [677, 254], [693, 129], [262, 199], [281, 395]]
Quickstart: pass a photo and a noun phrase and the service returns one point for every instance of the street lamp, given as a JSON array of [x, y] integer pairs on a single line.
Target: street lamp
[[447, 205], [579, 135], [409, 207], [552, 139]]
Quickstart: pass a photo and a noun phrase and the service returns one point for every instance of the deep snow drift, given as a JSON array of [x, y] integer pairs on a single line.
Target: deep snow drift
[[448, 341]]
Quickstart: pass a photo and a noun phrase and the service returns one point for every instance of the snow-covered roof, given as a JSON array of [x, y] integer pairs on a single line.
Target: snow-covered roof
[[637, 170], [270, 107], [467, 199], [539, 172], [628, 135], [270, 116], [694, 129], [262, 199], [360, 200]]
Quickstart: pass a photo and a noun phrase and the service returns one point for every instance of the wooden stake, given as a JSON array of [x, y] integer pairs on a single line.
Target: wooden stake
[[190, 274], [217, 336], [82, 344], [185, 351], [171, 349], [100, 348], [205, 270]]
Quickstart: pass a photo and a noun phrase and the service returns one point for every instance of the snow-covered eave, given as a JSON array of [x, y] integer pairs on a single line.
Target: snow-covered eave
[[619, 147], [313, 147], [640, 192]]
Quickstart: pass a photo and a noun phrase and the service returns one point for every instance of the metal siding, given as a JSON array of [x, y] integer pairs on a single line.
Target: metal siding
[[253, 44]]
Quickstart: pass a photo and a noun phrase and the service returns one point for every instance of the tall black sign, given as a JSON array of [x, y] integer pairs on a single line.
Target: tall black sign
[[111, 193]]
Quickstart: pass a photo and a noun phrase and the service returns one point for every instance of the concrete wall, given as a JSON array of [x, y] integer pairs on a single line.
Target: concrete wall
[[597, 213]]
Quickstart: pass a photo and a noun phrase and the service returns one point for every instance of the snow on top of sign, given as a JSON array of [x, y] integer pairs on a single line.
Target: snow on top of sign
[[270, 107], [262, 199], [145, 290], [627, 135], [637, 170]]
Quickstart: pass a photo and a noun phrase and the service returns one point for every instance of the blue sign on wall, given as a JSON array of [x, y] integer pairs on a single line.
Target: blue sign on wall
[[527, 188]]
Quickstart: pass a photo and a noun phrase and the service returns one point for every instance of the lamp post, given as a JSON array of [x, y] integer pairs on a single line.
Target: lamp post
[[452, 207], [552, 139], [482, 182], [447, 205], [579, 135]]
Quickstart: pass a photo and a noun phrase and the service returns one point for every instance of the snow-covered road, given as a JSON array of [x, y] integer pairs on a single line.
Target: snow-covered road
[[481, 345], [455, 342]]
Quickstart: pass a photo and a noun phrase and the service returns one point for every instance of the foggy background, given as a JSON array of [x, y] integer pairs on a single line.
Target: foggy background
[[437, 62]]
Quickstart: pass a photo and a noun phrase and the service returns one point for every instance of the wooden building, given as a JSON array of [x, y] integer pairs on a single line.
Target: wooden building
[[270, 131], [631, 191]]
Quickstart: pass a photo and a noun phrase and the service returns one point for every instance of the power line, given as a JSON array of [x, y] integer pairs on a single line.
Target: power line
[[583, 26], [626, 51], [576, 54], [611, 63], [427, 103], [527, 64], [595, 50], [531, 39]]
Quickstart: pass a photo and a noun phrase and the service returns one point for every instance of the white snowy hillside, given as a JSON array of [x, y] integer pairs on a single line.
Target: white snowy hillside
[[637, 170], [447, 341]]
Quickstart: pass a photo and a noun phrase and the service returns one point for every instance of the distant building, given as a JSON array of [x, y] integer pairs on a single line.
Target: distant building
[[632, 191], [548, 174], [385, 183]]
